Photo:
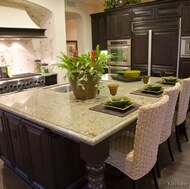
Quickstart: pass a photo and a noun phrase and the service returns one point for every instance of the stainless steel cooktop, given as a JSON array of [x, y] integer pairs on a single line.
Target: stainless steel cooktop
[[20, 82]]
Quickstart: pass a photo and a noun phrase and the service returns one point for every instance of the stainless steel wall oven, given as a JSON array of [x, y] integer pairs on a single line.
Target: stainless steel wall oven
[[122, 51]]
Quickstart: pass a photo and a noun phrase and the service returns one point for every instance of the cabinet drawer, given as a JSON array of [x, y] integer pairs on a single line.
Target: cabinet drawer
[[184, 68], [156, 24], [142, 14], [51, 80], [168, 11]]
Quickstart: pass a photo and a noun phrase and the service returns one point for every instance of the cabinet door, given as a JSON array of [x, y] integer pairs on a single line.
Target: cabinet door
[[124, 24], [68, 166], [185, 24], [4, 141], [38, 151], [51, 80], [168, 10], [112, 25], [140, 51], [99, 32], [18, 143], [141, 14], [119, 24], [184, 68], [164, 51]]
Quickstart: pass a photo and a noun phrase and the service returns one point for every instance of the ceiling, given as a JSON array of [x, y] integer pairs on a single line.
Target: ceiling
[[94, 2]]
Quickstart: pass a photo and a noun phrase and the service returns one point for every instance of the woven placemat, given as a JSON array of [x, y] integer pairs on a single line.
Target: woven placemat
[[139, 92], [120, 113]]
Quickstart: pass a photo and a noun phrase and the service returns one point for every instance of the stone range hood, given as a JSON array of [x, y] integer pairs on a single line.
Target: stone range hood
[[16, 22], [8, 32]]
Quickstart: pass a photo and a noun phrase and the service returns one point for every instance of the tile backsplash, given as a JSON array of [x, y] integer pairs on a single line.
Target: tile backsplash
[[20, 55]]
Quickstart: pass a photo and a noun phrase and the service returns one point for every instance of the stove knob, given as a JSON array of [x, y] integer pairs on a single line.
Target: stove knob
[[1, 88], [19, 85], [5, 86], [35, 81], [38, 81], [30, 82], [15, 86], [23, 84], [27, 83], [42, 81], [11, 85]]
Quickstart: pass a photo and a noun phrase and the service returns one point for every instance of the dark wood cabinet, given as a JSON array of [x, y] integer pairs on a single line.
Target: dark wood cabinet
[[68, 167], [164, 52], [38, 154], [156, 11], [50, 79], [161, 48], [41, 158], [5, 144], [119, 24], [26, 141], [155, 38], [169, 10], [184, 68], [140, 51], [99, 30], [142, 13], [185, 24]]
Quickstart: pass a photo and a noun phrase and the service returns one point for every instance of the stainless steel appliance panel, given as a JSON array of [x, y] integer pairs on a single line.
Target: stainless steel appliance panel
[[121, 49], [185, 47]]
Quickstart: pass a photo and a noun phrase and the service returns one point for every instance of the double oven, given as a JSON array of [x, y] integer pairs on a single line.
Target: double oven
[[121, 49]]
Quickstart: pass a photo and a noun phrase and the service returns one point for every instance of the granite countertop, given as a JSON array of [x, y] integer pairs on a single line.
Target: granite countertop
[[63, 114]]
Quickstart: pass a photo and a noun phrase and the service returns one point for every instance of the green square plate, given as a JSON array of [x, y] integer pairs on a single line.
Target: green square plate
[[127, 106]]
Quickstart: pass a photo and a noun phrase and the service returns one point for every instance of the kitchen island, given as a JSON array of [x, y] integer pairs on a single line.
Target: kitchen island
[[60, 114]]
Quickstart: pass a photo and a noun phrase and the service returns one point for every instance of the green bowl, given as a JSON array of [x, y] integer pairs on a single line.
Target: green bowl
[[119, 72], [154, 87], [131, 73], [120, 101], [170, 79]]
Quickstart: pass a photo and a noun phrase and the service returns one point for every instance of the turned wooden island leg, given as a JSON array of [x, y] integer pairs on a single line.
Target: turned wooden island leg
[[95, 157], [95, 176]]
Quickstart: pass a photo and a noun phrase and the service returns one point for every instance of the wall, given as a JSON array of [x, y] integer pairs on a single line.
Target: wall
[[71, 32], [48, 14], [20, 54]]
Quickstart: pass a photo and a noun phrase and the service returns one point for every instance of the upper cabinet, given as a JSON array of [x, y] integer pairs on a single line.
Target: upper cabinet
[[142, 14], [155, 36], [169, 10], [156, 11], [99, 34], [119, 24], [185, 24]]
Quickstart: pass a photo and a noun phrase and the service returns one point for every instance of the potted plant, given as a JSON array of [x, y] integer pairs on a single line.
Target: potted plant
[[110, 4], [85, 71]]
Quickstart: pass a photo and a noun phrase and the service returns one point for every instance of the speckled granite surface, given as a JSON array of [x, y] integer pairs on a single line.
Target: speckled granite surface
[[62, 113]]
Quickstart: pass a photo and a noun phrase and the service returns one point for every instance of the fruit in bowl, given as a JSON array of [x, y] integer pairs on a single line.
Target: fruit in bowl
[[154, 87], [170, 79], [131, 73]]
